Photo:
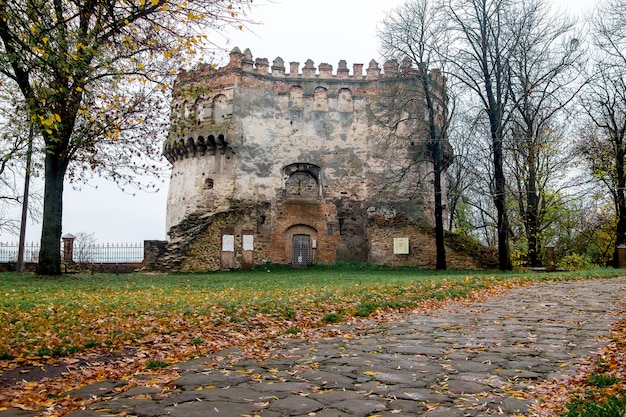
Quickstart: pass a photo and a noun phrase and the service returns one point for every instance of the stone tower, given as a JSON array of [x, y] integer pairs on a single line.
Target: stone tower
[[293, 168]]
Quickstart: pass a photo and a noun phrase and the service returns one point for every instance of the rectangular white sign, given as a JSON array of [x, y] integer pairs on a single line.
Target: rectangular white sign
[[248, 242], [401, 245], [228, 243]]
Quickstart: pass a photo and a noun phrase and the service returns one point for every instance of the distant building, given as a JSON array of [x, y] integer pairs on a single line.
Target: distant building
[[293, 168]]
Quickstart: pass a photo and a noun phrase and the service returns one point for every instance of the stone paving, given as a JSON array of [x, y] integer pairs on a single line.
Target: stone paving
[[465, 360]]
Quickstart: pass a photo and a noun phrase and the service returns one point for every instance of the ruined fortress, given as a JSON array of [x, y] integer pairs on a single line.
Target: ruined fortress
[[295, 167]]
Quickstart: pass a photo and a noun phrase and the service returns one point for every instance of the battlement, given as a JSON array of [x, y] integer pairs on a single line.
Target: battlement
[[261, 66]]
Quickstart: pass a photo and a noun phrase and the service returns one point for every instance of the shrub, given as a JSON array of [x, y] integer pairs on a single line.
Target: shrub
[[574, 262]]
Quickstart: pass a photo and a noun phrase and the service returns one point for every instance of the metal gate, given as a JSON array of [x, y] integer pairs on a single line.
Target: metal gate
[[301, 249]]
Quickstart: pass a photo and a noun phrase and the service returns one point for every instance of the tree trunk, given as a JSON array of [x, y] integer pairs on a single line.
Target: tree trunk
[[50, 249], [24, 218], [499, 199], [439, 230], [436, 146], [620, 203], [532, 207]]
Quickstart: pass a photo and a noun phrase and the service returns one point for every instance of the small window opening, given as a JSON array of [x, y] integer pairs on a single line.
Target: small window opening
[[208, 183]]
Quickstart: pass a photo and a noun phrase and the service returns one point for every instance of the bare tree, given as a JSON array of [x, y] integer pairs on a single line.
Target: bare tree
[[415, 33], [93, 76], [470, 179], [15, 134], [487, 33], [603, 140], [544, 79], [84, 248]]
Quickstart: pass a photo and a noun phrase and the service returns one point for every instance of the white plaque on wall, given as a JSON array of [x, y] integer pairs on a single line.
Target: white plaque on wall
[[228, 243], [248, 242], [401, 245]]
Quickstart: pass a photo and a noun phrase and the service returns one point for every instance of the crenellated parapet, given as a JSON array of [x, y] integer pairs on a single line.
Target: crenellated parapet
[[245, 62]]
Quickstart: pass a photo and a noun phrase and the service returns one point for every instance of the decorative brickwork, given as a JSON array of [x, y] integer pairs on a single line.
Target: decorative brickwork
[[289, 167]]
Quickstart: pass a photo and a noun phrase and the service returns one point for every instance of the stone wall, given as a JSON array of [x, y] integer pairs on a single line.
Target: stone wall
[[422, 249]]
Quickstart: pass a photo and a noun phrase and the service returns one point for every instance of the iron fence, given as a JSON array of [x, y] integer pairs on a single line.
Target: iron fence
[[93, 253]]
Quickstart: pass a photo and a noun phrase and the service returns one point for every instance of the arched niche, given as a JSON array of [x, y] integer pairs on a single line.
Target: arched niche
[[221, 108], [203, 110], [296, 97], [302, 181], [344, 101], [186, 109], [320, 99], [301, 186]]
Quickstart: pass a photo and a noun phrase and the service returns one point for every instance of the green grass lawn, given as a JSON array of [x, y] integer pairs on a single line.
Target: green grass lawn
[[64, 315]]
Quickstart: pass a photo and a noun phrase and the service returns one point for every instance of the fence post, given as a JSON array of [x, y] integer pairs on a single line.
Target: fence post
[[68, 248]]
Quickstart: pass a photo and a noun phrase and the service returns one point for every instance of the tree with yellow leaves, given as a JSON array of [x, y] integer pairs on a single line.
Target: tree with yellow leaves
[[93, 75]]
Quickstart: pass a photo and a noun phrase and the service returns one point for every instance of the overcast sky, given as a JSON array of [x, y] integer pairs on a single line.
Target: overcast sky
[[325, 31]]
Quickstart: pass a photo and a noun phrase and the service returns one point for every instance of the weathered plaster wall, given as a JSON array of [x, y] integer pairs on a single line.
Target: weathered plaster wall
[[204, 183]]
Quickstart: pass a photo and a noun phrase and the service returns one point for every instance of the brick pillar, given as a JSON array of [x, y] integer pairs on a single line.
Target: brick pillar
[[68, 248], [621, 256], [550, 259]]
